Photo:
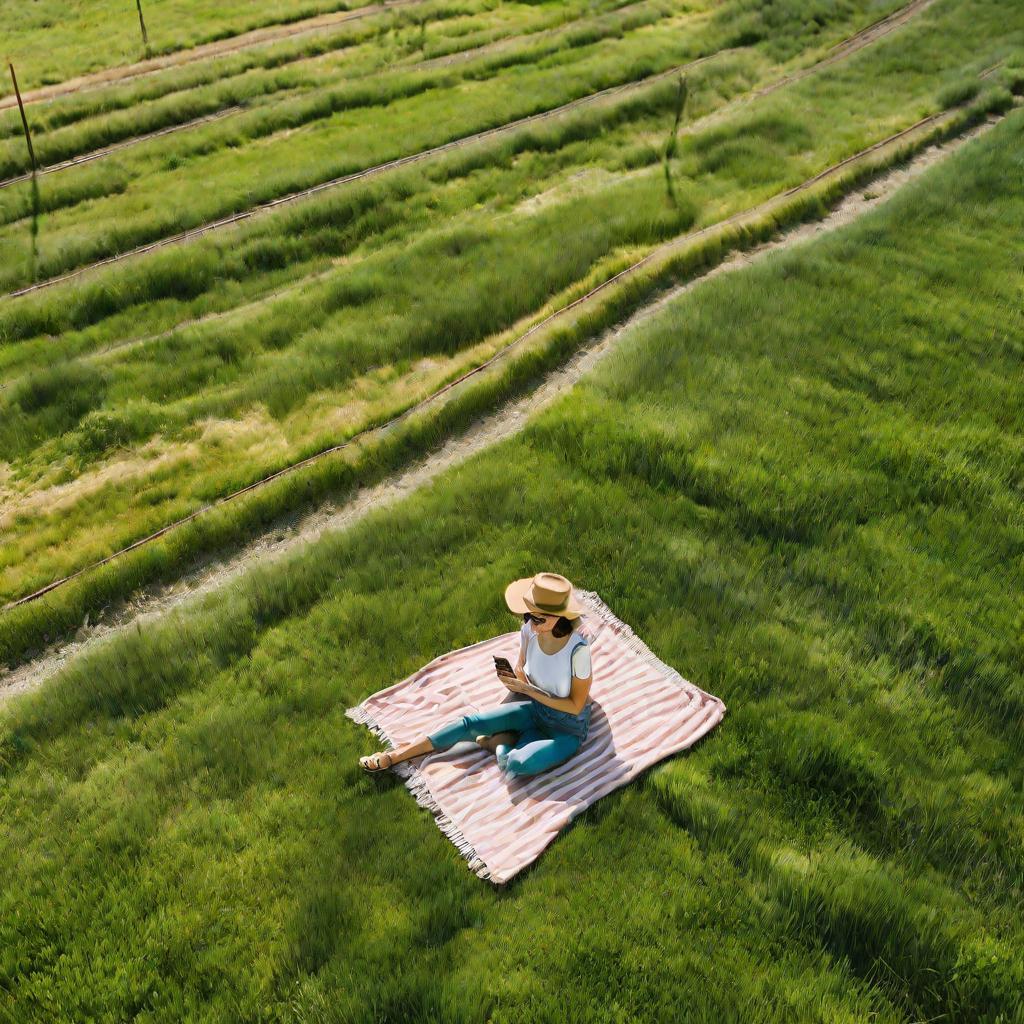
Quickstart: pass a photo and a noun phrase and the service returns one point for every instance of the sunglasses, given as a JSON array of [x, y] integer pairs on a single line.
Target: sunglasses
[[539, 619]]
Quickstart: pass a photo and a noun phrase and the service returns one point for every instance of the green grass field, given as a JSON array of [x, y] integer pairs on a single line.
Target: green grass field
[[138, 393], [51, 42], [436, 36], [801, 484]]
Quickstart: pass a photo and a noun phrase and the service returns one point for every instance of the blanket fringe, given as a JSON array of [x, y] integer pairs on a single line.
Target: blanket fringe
[[417, 785], [597, 608]]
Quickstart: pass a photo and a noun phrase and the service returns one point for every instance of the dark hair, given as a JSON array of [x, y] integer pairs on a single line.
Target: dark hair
[[563, 627]]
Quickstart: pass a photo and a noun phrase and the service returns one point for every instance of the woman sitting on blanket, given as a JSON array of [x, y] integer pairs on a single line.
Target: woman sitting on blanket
[[554, 674]]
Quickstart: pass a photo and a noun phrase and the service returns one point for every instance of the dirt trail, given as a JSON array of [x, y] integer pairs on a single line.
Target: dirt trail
[[842, 50], [924, 131], [245, 41], [934, 124], [297, 531]]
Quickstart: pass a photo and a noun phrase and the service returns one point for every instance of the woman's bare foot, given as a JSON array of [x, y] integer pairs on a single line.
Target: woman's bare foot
[[491, 742]]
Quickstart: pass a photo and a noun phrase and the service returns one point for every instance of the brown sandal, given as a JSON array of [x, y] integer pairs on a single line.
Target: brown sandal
[[379, 767]]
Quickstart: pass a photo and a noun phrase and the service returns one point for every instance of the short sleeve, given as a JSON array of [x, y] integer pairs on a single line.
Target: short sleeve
[[523, 639], [581, 661]]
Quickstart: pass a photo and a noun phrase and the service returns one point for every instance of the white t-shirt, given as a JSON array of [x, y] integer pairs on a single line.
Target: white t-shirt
[[553, 673]]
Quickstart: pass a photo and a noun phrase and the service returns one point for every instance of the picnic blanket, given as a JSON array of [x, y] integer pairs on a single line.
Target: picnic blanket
[[644, 711]]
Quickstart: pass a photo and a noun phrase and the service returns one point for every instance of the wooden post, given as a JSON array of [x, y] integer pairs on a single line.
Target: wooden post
[[35, 179], [673, 139], [24, 119], [142, 24]]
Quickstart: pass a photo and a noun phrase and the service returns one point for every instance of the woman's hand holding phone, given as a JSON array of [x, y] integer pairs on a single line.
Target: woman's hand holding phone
[[512, 679]]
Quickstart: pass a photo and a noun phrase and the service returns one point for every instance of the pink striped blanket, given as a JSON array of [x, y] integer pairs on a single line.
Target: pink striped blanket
[[643, 712]]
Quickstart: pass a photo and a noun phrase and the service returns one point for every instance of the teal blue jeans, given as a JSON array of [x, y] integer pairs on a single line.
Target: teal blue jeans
[[540, 746]]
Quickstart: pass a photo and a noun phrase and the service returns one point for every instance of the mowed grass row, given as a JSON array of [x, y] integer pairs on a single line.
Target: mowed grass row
[[342, 41], [324, 136], [106, 450], [431, 31], [270, 121], [799, 484], [51, 42], [100, 118]]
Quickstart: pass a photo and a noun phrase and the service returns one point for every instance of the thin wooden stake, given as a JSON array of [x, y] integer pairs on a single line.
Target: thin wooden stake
[[24, 119], [673, 138], [142, 24]]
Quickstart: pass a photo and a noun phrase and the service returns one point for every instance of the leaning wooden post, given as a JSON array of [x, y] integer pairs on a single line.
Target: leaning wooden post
[[24, 119], [142, 24], [35, 179], [672, 142]]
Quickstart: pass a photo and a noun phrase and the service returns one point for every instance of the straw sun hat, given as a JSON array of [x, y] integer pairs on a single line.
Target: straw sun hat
[[547, 593]]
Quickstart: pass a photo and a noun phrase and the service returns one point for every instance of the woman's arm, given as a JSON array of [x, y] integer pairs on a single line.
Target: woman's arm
[[573, 704], [579, 689], [520, 669]]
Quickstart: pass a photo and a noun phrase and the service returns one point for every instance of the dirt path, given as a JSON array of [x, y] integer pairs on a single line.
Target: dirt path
[[853, 44], [245, 41], [297, 531]]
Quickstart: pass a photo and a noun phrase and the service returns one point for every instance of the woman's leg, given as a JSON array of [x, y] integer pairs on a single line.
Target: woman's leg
[[536, 752], [502, 750], [513, 717]]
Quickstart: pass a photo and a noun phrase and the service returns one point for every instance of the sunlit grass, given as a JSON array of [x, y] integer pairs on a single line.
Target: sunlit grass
[[799, 484], [390, 303], [51, 42], [285, 97]]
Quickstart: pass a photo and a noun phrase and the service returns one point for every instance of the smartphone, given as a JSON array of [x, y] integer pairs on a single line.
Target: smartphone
[[503, 664]]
